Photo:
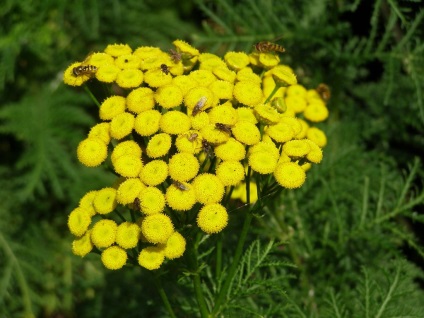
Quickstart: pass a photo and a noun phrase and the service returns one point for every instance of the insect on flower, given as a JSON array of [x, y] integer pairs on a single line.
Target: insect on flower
[[175, 56], [137, 204], [181, 186], [267, 46], [85, 68], [207, 148], [324, 91], [164, 68], [223, 127], [192, 137], [199, 105]]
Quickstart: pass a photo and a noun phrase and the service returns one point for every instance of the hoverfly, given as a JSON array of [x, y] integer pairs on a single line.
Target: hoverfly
[[223, 127], [181, 186], [84, 68], [324, 91], [267, 46], [199, 105], [192, 137], [164, 68]]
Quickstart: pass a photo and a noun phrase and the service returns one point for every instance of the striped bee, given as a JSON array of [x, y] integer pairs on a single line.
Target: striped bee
[[84, 68], [267, 46]]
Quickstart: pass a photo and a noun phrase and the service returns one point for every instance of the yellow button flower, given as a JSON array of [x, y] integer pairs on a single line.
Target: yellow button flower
[[269, 60], [112, 107], [230, 172], [230, 150], [296, 90], [169, 96], [92, 152], [151, 257], [225, 74], [118, 49], [305, 127], [101, 131], [175, 246], [236, 60], [190, 142], [175, 122], [152, 200], [265, 146], [199, 121], [246, 114], [127, 235], [140, 99], [154, 173], [122, 125], [267, 114], [86, 202], [317, 136], [128, 166], [186, 48], [209, 188], [157, 228], [105, 200], [69, 77], [296, 148], [295, 103], [222, 89], [129, 78], [158, 145], [224, 114], [183, 167], [197, 94], [248, 93], [280, 132], [262, 162], [246, 74], [82, 246], [129, 190], [147, 122], [103, 233], [79, 221], [127, 148], [214, 135], [185, 83], [180, 199], [283, 75], [315, 155], [290, 175], [99, 58], [126, 61], [114, 257], [246, 132], [157, 78], [107, 73], [212, 218], [211, 62]]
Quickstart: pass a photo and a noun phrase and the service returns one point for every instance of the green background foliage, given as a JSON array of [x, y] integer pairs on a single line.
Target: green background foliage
[[349, 243]]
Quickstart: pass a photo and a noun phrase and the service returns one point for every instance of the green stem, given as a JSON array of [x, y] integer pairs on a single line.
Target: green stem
[[162, 294], [204, 312], [239, 250], [272, 93], [219, 256], [91, 95]]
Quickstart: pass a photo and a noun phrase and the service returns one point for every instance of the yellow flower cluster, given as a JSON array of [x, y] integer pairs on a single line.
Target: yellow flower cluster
[[184, 127]]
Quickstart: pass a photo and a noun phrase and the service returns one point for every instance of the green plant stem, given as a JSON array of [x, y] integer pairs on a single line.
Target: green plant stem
[[272, 93], [162, 294], [218, 256], [94, 99], [204, 312]]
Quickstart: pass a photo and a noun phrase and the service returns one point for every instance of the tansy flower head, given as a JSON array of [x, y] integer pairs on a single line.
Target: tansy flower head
[[157, 78], [246, 114], [114, 257], [107, 73], [211, 62], [317, 136], [129, 78], [151, 257], [224, 114], [316, 111], [127, 235], [212, 218], [112, 107], [296, 90], [140, 99], [283, 75], [212, 134], [268, 86], [185, 83], [180, 199], [248, 93], [103, 233], [144, 52], [78, 221], [128, 166], [122, 125], [92, 152], [225, 74], [246, 74], [209, 188], [183, 167], [158, 145], [305, 127], [269, 60], [296, 148], [230, 172], [100, 131], [86, 202], [190, 142], [246, 132], [262, 162], [293, 122], [265, 146], [69, 77], [289, 175], [175, 122], [222, 89], [127, 61], [157, 228], [185, 48], [315, 155], [82, 246], [280, 132], [118, 49], [203, 77], [200, 97], [236, 60], [154, 173], [231, 150], [267, 114], [129, 190], [105, 200], [147, 122], [152, 200], [128, 147], [295, 103], [169, 96], [99, 58], [175, 246]]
